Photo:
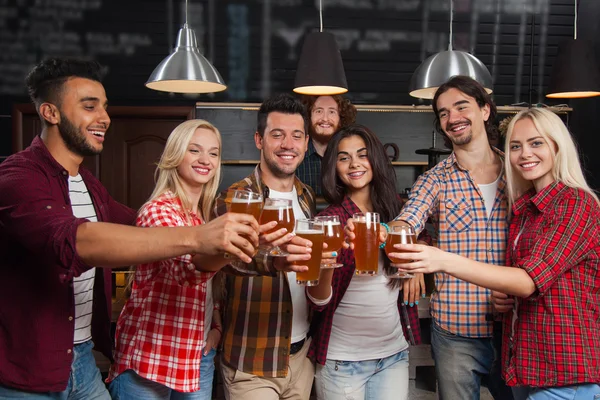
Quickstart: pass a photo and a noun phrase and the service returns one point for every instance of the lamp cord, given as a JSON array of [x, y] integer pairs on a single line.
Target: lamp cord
[[186, 9], [451, 16], [575, 35], [321, 14]]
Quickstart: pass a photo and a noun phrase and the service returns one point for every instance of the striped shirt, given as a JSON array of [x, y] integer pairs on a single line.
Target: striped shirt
[[257, 324], [83, 285], [448, 194]]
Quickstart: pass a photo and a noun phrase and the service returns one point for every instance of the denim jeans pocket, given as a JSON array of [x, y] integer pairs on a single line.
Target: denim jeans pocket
[[441, 331]]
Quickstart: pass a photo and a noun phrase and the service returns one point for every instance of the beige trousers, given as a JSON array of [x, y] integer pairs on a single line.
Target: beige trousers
[[296, 385]]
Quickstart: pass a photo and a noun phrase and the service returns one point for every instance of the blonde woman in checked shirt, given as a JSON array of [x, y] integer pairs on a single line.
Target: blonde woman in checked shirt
[[165, 344], [551, 298]]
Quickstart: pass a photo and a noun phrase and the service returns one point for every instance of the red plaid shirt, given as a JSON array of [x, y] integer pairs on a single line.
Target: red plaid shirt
[[160, 332], [556, 337], [323, 319]]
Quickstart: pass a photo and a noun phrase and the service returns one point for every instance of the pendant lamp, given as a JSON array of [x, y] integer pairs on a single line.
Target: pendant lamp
[[186, 70], [439, 68], [576, 73], [320, 69]]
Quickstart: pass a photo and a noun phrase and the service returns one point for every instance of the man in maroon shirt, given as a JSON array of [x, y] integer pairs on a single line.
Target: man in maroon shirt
[[43, 246]]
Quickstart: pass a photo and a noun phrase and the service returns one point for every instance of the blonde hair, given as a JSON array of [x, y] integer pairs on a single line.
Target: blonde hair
[[566, 168], [166, 176]]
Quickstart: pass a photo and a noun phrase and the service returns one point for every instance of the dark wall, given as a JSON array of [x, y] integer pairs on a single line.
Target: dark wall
[[255, 44]]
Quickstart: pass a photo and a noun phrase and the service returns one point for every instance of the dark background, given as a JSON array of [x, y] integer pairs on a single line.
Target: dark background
[[255, 44]]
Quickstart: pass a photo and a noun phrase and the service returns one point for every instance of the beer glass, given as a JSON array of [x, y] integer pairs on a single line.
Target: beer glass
[[399, 235], [246, 202], [313, 231], [334, 237], [366, 243], [281, 211]]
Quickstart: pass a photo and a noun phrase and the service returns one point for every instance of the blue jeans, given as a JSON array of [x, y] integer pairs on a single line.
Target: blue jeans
[[575, 392], [462, 363], [131, 386], [380, 379], [85, 382]]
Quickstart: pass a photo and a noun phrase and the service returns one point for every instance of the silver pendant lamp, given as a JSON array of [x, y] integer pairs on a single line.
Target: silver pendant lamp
[[320, 68], [576, 73], [186, 70], [440, 67]]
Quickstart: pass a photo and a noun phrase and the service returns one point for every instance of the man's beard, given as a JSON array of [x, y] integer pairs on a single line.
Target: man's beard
[[322, 137], [277, 170], [75, 140], [460, 140]]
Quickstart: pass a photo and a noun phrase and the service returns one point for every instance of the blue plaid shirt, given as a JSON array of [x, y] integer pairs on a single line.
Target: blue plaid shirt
[[309, 172], [448, 195]]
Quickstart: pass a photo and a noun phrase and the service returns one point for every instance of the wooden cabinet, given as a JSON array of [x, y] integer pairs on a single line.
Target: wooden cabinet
[[134, 143]]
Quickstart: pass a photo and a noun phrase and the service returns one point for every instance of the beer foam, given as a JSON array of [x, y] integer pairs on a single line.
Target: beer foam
[[309, 232], [245, 201], [276, 208]]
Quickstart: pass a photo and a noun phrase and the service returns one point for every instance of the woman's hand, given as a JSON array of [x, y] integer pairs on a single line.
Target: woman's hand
[[413, 289], [502, 302], [214, 337], [418, 258]]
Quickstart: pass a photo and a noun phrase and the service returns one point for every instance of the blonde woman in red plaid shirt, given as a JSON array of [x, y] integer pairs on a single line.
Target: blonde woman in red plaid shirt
[[162, 343], [551, 298]]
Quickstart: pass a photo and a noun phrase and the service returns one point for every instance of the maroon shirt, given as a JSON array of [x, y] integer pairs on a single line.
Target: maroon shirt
[[323, 318], [38, 260], [555, 341]]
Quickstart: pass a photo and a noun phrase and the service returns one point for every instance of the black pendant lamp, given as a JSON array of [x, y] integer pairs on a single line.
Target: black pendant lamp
[[576, 72], [320, 69]]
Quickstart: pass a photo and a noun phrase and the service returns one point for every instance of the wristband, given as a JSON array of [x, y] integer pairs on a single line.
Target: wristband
[[387, 228], [218, 328]]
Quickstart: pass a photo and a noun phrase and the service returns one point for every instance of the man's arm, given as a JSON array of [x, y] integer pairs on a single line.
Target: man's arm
[[421, 203]]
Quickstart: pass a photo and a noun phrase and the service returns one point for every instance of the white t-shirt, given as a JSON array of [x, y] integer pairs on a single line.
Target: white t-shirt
[[366, 324], [488, 191], [300, 324], [83, 285]]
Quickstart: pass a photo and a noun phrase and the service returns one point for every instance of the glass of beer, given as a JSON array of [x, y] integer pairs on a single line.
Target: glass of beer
[[399, 235], [313, 231], [334, 237], [246, 202], [281, 211], [366, 244]]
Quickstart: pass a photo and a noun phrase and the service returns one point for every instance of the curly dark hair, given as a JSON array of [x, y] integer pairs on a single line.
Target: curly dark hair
[[472, 88], [346, 109], [45, 81]]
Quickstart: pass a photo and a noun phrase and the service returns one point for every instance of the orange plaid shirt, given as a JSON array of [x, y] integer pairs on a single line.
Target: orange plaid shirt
[[448, 195]]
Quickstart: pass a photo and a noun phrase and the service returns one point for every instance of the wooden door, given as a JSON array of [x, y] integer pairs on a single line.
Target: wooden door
[[134, 143]]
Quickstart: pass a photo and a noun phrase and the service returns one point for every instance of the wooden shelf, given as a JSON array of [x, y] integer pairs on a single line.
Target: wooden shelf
[[374, 108], [394, 163]]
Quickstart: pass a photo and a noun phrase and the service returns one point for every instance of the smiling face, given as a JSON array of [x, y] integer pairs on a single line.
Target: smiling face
[[325, 118], [461, 118], [201, 159], [83, 118], [283, 144], [353, 166], [531, 154]]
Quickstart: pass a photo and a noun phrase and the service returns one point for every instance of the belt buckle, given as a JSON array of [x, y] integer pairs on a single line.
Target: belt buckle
[[296, 347]]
